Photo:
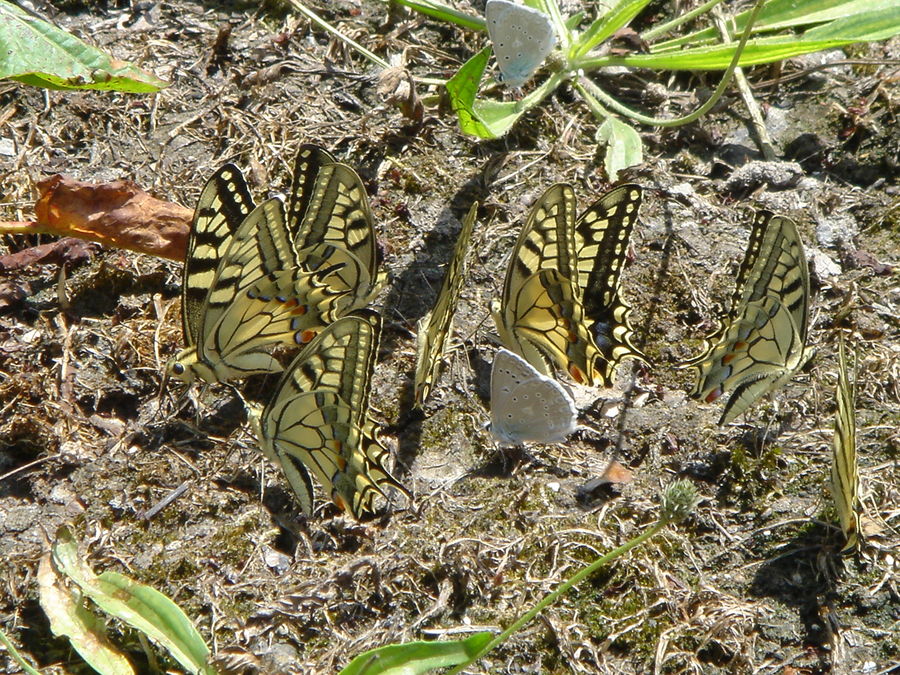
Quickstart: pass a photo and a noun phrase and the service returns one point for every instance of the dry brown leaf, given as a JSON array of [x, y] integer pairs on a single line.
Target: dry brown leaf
[[117, 214], [64, 250], [616, 472]]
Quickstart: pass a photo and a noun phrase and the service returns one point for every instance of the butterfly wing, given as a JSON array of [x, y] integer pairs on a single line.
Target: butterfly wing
[[601, 239], [762, 343], [781, 270], [521, 37], [540, 315], [543, 322], [318, 417], [224, 203], [434, 328], [329, 205], [527, 406], [844, 470], [250, 303]]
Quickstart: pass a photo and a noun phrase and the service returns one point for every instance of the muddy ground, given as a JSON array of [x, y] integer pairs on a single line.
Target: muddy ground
[[751, 583]]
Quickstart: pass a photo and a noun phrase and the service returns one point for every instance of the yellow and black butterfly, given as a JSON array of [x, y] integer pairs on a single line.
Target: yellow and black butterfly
[[561, 306], [762, 343], [318, 419], [434, 327], [844, 470], [272, 280]]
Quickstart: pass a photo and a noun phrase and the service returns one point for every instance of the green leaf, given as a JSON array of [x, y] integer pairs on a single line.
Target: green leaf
[[865, 27], [623, 146], [781, 14], [603, 26], [70, 618], [140, 606], [38, 53], [444, 13], [484, 119], [414, 658]]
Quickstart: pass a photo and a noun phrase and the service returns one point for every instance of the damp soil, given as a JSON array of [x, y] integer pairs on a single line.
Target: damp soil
[[750, 583]]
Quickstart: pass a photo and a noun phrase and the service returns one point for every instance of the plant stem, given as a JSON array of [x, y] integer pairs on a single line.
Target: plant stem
[[610, 102], [374, 58], [756, 117], [677, 21], [563, 588]]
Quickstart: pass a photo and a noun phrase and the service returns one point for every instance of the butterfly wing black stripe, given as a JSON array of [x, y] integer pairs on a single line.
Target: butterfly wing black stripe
[[602, 235], [329, 205], [224, 203]]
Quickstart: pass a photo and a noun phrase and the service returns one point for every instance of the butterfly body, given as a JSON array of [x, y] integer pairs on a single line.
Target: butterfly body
[[521, 37], [527, 406]]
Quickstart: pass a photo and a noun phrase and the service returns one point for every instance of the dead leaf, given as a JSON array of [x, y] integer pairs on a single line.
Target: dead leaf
[[12, 293], [67, 250], [118, 214], [396, 87], [616, 472]]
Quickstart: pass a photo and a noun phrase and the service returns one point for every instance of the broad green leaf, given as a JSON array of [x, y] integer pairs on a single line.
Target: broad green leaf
[[70, 618], [414, 658], [38, 53], [140, 606], [462, 89], [623, 146], [486, 118], [781, 14]]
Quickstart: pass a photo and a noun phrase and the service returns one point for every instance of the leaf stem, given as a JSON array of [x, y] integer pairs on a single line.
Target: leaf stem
[[609, 101]]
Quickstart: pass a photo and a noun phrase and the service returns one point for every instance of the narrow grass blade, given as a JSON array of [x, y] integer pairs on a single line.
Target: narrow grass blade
[[443, 12], [619, 16], [878, 25], [15, 656], [781, 14]]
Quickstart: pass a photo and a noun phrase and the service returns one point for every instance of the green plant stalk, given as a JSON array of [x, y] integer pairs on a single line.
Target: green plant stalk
[[563, 588], [14, 654], [551, 8], [322, 23], [444, 12], [656, 31], [756, 116], [585, 84]]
